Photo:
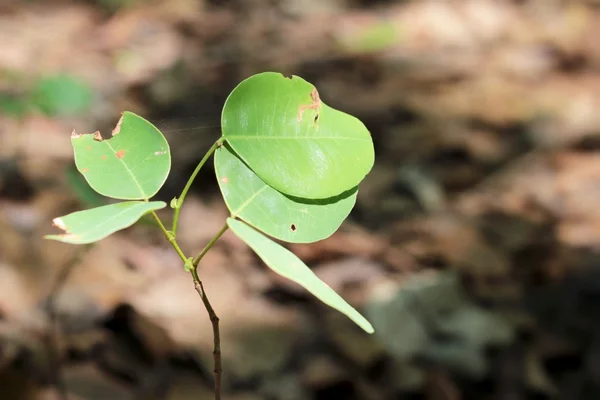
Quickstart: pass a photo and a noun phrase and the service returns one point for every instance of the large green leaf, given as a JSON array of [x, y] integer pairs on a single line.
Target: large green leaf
[[89, 226], [132, 164], [283, 217], [286, 264], [292, 140]]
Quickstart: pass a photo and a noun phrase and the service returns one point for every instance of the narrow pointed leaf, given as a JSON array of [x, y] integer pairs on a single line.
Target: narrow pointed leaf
[[292, 140], [132, 164], [286, 264], [280, 216], [91, 225]]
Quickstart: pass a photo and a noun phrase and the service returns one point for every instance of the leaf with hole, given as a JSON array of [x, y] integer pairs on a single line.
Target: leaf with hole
[[91, 225], [132, 164], [292, 140], [278, 215], [286, 264]]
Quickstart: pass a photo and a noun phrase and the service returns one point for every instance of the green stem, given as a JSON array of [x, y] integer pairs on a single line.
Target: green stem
[[207, 248], [188, 185], [170, 237]]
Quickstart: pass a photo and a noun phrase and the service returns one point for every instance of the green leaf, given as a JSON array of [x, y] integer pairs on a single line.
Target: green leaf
[[271, 123], [84, 193], [286, 264], [62, 95], [131, 165], [278, 215], [89, 226]]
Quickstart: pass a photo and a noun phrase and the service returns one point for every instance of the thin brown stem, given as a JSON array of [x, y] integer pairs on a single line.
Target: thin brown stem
[[217, 370]]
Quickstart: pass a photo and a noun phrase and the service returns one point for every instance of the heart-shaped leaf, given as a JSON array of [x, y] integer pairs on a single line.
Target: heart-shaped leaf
[[286, 264], [91, 225], [277, 215], [292, 140], [131, 165]]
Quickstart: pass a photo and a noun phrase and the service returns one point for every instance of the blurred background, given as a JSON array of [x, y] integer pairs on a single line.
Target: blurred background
[[473, 248]]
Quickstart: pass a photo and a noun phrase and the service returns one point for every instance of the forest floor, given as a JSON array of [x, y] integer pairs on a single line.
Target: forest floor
[[473, 247]]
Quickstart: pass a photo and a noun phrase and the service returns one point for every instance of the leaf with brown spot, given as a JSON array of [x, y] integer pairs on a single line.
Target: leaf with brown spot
[[271, 123], [124, 166]]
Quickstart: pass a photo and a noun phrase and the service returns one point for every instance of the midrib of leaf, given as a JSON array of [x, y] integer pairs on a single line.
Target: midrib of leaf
[[247, 202], [142, 193], [109, 219], [229, 137]]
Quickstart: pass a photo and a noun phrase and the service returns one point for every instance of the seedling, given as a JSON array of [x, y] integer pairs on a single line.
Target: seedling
[[288, 167]]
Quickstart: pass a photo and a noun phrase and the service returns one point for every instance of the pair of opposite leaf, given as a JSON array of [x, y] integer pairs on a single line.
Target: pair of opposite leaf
[[289, 167]]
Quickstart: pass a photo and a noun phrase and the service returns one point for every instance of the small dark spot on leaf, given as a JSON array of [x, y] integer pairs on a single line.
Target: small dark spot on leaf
[[103, 157], [225, 179], [293, 227], [97, 136], [120, 154], [88, 147], [314, 105], [84, 170]]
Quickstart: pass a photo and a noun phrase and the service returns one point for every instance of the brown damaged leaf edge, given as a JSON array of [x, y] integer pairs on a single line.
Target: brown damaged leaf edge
[[314, 105], [59, 223], [98, 135], [117, 129]]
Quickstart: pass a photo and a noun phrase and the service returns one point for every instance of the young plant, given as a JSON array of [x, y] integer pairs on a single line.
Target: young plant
[[288, 167]]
